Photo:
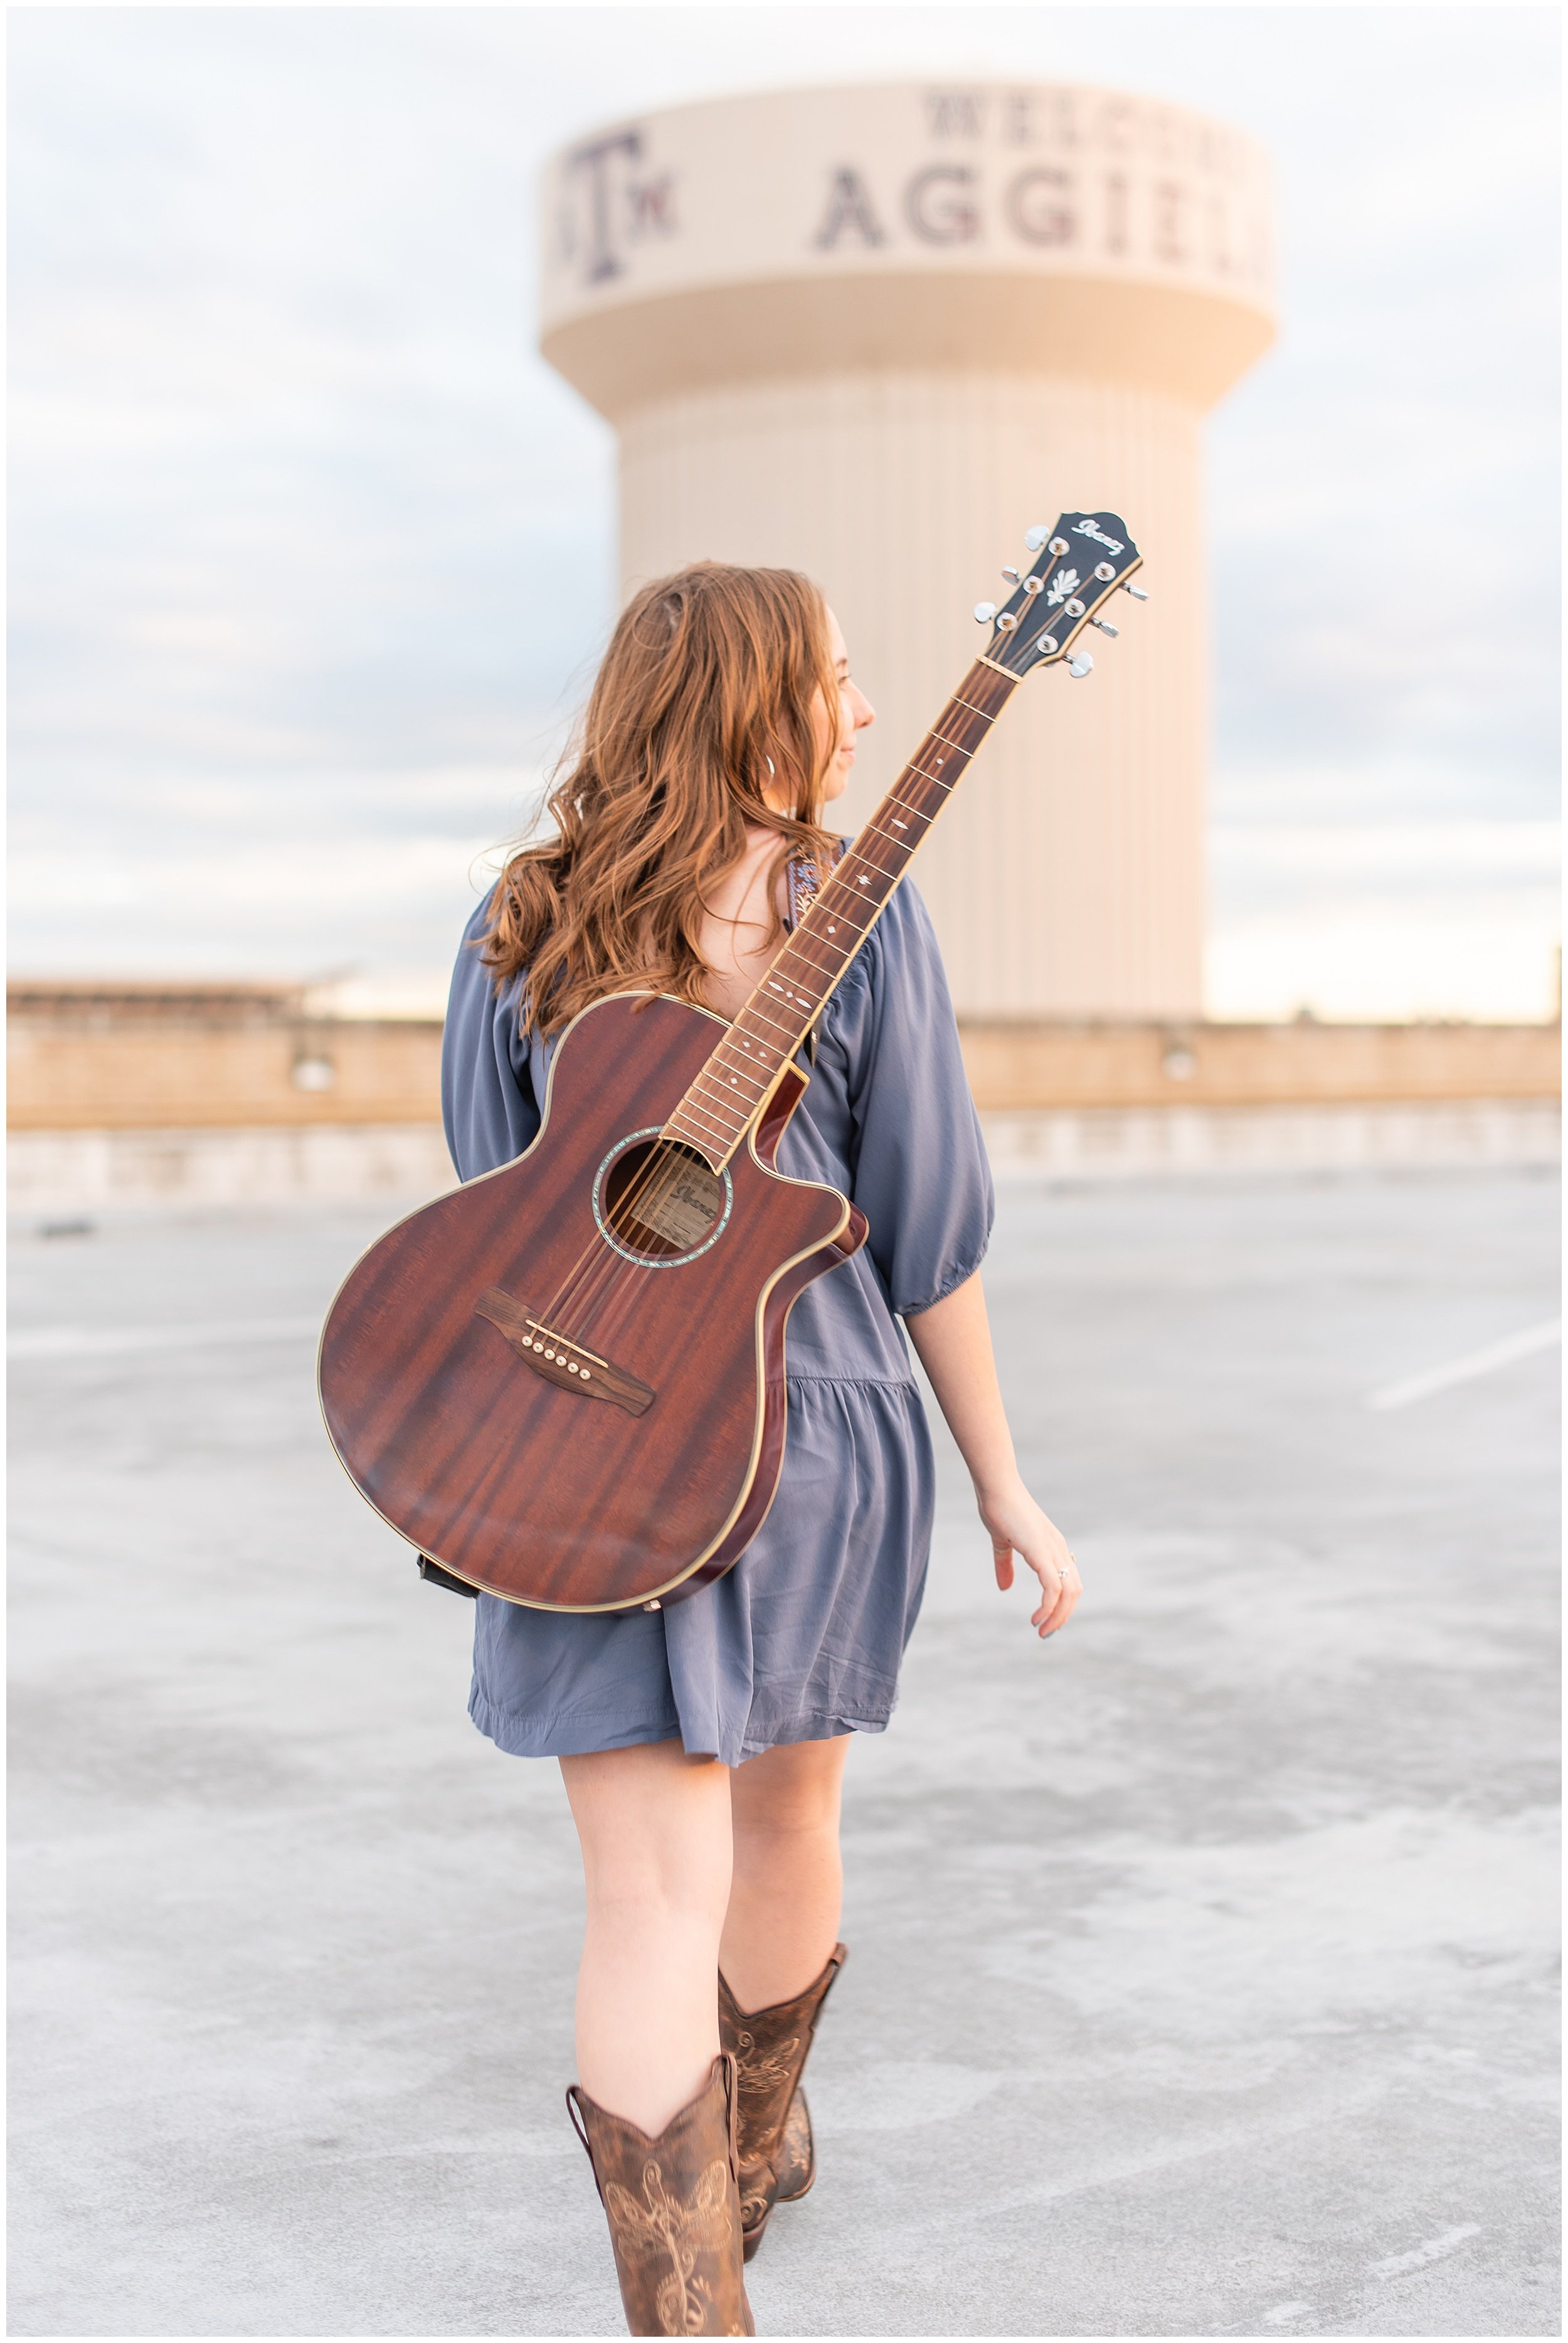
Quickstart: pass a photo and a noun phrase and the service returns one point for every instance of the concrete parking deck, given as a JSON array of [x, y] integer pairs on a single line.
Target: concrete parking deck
[[1201, 1960]]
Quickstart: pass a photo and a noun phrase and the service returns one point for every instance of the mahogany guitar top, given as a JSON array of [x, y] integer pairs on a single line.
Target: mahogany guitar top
[[612, 1471]]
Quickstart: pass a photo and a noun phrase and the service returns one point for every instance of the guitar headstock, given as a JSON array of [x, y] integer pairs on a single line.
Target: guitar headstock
[[1075, 568]]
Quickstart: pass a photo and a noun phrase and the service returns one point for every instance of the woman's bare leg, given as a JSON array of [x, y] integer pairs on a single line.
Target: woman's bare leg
[[653, 1824], [787, 1892]]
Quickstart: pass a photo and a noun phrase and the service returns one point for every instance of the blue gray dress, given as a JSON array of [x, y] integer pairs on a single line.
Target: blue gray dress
[[803, 1638]]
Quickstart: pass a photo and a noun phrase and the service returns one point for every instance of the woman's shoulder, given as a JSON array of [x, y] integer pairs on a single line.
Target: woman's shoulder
[[903, 934], [906, 923], [896, 975], [476, 984]]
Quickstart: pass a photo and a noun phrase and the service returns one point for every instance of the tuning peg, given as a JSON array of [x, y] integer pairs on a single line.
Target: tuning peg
[[1106, 628], [1136, 591], [1035, 538], [1012, 577], [984, 613], [1080, 665]]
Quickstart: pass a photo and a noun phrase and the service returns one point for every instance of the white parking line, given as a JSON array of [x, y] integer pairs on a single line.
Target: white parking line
[[120, 1342], [1464, 1371], [1436, 2249]]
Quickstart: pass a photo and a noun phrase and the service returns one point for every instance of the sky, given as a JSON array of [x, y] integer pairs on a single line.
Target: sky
[[312, 556]]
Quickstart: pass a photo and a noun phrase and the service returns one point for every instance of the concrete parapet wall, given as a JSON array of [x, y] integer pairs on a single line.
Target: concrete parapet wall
[[1018, 1064], [187, 1071]]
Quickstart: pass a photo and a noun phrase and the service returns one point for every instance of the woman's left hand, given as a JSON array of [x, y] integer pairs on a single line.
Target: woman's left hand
[[1018, 1526]]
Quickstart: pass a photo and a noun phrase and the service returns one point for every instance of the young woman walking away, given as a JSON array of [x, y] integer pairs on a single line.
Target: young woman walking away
[[703, 1745]]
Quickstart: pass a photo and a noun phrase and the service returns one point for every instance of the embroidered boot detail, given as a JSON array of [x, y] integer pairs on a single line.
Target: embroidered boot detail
[[778, 2158], [796, 2152], [673, 2211]]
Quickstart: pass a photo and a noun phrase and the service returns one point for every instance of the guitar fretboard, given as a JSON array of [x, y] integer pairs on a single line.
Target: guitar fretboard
[[734, 1085]]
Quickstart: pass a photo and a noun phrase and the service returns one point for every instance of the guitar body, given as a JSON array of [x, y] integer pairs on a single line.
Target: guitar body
[[630, 1459]]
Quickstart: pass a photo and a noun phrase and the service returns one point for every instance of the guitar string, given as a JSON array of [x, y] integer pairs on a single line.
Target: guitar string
[[737, 1043], [666, 1156], [597, 1305], [660, 1170], [664, 1163], [667, 1160], [594, 1303], [594, 1297], [607, 1308], [591, 1297], [923, 807], [592, 1300], [652, 1186]]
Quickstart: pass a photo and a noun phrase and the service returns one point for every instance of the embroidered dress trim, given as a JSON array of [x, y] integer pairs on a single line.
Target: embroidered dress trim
[[803, 876]]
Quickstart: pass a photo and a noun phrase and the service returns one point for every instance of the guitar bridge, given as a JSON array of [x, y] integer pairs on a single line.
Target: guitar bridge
[[560, 1360]]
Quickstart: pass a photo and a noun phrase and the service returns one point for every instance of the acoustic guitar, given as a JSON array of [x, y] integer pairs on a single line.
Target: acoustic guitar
[[563, 1383]]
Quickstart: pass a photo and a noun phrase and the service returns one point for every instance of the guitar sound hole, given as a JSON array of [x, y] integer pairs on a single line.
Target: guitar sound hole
[[661, 1200]]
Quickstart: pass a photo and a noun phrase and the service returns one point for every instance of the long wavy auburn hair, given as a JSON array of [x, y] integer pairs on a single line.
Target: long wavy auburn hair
[[704, 701]]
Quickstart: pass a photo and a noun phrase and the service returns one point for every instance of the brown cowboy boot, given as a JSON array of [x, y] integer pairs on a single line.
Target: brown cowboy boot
[[673, 2211], [778, 2154]]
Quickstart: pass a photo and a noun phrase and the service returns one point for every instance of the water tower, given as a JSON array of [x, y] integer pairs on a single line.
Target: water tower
[[874, 333]]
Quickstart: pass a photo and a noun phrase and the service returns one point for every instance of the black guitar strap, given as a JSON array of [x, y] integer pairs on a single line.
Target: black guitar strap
[[439, 1577]]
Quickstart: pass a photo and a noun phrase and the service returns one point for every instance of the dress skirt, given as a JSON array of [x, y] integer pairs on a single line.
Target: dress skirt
[[800, 1641]]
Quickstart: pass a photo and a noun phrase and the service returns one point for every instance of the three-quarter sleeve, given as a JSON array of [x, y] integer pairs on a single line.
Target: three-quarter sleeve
[[488, 1101], [918, 1158]]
